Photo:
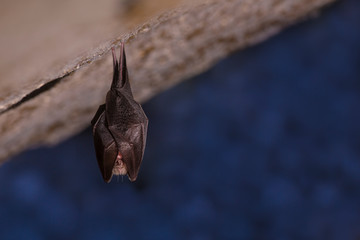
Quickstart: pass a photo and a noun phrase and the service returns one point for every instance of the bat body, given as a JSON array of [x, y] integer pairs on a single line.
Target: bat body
[[119, 127]]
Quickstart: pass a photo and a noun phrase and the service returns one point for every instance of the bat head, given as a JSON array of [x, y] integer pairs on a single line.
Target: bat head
[[119, 167]]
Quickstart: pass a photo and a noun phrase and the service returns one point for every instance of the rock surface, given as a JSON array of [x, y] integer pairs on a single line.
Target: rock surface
[[167, 49]]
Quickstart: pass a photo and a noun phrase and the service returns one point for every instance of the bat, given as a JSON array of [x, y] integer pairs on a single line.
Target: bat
[[119, 127]]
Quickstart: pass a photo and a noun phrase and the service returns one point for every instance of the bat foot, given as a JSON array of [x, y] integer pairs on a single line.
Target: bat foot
[[119, 167]]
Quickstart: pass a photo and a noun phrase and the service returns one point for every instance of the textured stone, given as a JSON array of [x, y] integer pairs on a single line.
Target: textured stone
[[167, 49]]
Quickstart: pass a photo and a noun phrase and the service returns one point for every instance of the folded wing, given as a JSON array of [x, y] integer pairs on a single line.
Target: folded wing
[[105, 146]]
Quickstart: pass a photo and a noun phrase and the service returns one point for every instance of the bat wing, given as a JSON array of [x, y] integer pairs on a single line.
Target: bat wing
[[98, 113], [138, 136], [105, 146], [131, 144]]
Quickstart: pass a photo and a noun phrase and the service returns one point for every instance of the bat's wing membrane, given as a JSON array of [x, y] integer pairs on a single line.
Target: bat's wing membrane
[[105, 146], [131, 145], [98, 113]]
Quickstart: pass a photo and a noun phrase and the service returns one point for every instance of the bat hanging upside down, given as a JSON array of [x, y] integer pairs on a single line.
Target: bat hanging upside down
[[119, 127]]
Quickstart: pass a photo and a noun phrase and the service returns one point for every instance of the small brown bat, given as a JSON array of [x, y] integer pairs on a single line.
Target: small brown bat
[[119, 127]]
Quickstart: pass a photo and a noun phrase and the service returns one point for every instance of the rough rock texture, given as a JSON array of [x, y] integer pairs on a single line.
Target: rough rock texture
[[173, 46]]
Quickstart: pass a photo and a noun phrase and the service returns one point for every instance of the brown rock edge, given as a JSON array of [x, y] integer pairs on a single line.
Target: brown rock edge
[[170, 48]]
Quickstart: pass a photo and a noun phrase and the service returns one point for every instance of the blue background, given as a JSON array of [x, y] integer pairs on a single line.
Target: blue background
[[265, 145]]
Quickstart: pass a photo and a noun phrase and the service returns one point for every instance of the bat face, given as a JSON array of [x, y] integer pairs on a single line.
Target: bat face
[[119, 127]]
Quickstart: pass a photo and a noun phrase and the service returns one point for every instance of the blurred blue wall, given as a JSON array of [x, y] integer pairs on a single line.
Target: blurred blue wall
[[265, 145]]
